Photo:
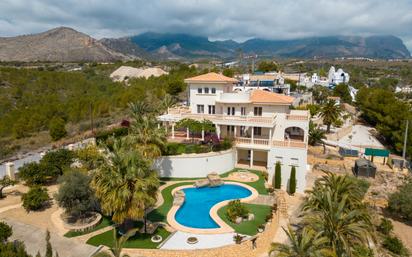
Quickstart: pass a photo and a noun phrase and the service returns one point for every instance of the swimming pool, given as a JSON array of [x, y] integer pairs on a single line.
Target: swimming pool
[[198, 202]]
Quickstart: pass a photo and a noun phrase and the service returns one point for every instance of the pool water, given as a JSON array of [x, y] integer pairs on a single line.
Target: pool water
[[195, 210]]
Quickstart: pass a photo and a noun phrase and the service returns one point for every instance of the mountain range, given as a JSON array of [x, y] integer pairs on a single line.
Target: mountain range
[[68, 45]]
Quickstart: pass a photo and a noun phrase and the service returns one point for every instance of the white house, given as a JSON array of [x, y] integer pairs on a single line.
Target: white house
[[272, 82], [264, 129], [337, 77]]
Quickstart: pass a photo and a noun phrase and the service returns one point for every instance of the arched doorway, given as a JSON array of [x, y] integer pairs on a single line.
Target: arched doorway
[[294, 133]]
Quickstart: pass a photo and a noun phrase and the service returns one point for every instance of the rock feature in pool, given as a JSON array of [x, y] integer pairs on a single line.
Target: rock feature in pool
[[195, 210]]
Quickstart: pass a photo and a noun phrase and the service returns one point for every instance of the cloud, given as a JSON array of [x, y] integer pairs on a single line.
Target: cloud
[[219, 19]]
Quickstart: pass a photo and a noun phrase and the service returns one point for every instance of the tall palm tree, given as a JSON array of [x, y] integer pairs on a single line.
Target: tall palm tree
[[304, 243], [125, 183], [330, 112], [145, 135]]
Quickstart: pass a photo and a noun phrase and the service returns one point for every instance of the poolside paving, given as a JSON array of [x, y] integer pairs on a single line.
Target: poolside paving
[[178, 241]]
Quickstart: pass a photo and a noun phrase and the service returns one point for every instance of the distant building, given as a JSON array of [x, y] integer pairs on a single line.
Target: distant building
[[337, 77], [272, 82], [334, 78], [124, 73]]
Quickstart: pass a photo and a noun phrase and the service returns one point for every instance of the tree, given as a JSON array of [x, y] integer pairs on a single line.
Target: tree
[[320, 93], [34, 173], [305, 243], [35, 198], [125, 184], [57, 128], [400, 202], [316, 135], [330, 113], [58, 160], [5, 232], [228, 72], [292, 181], [5, 182], [75, 194], [13, 249], [267, 66], [277, 179], [342, 90]]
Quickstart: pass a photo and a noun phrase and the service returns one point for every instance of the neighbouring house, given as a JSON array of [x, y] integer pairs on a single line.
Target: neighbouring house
[[264, 128], [124, 73], [337, 77], [272, 82]]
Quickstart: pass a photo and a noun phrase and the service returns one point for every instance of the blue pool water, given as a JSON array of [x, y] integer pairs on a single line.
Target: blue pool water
[[198, 202]]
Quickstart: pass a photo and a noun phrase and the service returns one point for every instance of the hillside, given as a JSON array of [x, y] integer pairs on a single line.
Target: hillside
[[57, 45], [183, 45]]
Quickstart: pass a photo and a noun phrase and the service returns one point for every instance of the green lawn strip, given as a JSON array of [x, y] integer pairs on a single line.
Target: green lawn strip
[[137, 241], [247, 227], [104, 223], [160, 213]]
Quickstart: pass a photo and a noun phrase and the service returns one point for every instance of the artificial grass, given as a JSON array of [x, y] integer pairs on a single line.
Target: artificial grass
[[247, 227], [104, 223], [137, 241], [160, 213]]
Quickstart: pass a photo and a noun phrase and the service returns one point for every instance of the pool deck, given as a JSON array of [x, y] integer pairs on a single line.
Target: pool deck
[[205, 241], [223, 227]]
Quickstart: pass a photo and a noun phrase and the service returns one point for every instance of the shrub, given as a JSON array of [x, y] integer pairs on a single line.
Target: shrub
[[57, 128], [34, 173], [277, 179], [35, 198], [394, 245], [400, 202], [385, 227], [265, 175], [13, 249], [5, 231], [75, 194], [5, 182], [236, 209], [292, 181]]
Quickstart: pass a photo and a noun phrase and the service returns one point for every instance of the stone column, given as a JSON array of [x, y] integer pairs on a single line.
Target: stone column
[[252, 135], [10, 170], [270, 135], [235, 132], [173, 130], [251, 159], [218, 131], [203, 135], [187, 133]]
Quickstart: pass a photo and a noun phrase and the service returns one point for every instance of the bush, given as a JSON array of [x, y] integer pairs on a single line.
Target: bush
[[277, 179], [236, 209], [400, 202], [5, 231], [394, 245], [35, 198], [385, 227], [292, 181], [57, 128], [13, 249], [75, 194]]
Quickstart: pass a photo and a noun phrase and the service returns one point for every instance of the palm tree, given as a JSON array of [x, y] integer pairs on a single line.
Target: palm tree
[[168, 102], [334, 209], [125, 183], [330, 112], [316, 135], [304, 243], [118, 243]]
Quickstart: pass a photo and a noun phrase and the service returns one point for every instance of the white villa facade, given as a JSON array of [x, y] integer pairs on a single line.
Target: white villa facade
[[264, 129]]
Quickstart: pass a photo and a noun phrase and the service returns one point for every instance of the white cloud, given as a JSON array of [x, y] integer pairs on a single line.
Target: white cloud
[[223, 19]]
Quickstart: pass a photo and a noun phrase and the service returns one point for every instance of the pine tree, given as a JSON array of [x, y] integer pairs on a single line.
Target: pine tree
[[277, 179], [292, 181]]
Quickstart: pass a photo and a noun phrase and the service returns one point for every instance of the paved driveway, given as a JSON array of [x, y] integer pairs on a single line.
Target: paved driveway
[[35, 240]]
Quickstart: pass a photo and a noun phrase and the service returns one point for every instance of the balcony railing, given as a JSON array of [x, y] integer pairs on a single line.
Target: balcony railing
[[221, 117], [296, 117], [267, 142]]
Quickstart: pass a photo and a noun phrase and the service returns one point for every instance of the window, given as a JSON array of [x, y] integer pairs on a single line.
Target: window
[[243, 111], [294, 161], [206, 90], [213, 90], [257, 111], [257, 131], [242, 131], [199, 90], [230, 130], [200, 108], [228, 110], [211, 109], [233, 110]]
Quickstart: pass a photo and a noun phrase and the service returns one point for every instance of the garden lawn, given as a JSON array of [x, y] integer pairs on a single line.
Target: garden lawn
[[247, 227], [160, 213], [104, 223], [137, 241]]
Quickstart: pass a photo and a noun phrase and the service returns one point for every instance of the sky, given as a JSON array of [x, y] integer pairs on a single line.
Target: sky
[[224, 19]]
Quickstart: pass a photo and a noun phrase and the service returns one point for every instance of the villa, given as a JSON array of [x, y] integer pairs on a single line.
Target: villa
[[264, 128]]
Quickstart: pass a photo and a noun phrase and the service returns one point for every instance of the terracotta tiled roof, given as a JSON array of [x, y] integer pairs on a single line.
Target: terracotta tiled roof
[[265, 97], [211, 77]]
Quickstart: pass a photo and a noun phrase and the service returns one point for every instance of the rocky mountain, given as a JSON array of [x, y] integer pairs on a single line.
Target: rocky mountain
[[323, 47], [125, 46], [57, 45]]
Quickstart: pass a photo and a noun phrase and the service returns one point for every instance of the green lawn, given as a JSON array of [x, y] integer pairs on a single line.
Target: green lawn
[[160, 214], [247, 227], [259, 185], [104, 223], [137, 241]]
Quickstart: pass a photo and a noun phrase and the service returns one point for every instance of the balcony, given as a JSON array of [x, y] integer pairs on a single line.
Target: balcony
[[236, 120], [266, 143]]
